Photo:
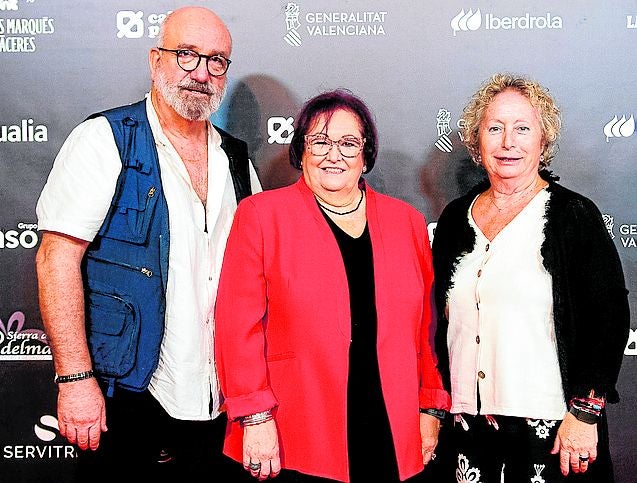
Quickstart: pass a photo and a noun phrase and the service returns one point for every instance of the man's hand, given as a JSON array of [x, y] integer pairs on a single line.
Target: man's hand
[[81, 413]]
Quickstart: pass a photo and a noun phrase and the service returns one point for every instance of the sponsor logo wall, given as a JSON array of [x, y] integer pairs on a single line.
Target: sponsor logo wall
[[416, 64]]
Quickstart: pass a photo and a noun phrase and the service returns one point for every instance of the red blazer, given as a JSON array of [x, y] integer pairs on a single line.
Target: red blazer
[[282, 330]]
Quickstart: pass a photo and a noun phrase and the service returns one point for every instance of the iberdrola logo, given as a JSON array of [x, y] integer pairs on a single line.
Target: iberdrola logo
[[466, 21]]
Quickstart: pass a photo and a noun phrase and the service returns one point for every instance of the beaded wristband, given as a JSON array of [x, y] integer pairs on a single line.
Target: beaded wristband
[[588, 404], [74, 377]]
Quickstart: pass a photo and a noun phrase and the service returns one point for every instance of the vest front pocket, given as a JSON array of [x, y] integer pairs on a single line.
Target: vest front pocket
[[131, 209], [113, 328]]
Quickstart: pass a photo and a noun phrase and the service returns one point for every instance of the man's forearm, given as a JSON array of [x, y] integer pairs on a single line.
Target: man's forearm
[[61, 296]]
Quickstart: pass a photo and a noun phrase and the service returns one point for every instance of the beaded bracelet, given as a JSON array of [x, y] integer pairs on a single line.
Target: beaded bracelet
[[256, 418], [592, 405]]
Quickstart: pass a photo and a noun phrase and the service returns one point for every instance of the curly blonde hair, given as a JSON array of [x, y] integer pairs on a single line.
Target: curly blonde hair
[[538, 96]]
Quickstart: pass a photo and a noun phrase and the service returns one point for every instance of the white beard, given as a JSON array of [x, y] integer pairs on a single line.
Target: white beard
[[187, 106]]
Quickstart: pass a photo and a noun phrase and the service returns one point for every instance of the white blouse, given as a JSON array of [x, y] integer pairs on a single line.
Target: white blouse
[[501, 337]]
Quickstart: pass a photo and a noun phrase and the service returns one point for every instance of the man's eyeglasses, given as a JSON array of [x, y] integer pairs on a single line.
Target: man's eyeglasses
[[348, 146], [189, 60]]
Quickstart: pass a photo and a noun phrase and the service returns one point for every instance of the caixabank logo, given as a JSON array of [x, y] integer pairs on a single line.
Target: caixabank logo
[[471, 20], [280, 130], [135, 24], [300, 23], [18, 343], [47, 443]]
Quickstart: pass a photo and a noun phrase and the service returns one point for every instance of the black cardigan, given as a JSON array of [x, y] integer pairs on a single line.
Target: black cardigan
[[590, 302]]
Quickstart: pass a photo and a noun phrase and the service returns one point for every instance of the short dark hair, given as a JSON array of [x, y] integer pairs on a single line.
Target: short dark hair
[[326, 104]]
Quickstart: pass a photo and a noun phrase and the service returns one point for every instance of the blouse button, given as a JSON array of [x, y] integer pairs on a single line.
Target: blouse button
[[477, 339], [481, 375], [479, 272], [486, 248]]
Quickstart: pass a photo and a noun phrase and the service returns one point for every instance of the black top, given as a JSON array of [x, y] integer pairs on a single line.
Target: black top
[[368, 431]]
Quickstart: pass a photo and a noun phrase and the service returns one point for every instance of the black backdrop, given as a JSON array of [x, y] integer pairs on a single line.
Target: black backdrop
[[414, 63]]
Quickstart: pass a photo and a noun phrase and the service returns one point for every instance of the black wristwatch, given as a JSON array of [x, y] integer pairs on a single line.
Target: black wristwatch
[[436, 413], [583, 416]]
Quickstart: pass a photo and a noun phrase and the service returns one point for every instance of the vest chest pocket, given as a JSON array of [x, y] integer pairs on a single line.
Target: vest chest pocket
[[131, 209], [113, 327]]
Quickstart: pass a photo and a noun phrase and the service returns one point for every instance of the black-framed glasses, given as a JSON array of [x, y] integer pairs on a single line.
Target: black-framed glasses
[[348, 146], [189, 60]]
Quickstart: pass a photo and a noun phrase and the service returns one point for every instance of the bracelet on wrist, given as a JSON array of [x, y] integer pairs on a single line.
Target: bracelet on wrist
[[256, 418], [587, 409], [584, 416], [436, 413], [78, 376], [588, 403]]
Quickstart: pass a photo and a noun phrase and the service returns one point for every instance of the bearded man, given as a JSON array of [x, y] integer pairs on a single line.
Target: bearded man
[[135, 215]]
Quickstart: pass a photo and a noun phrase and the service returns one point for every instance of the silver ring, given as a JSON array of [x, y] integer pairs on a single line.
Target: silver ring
[[583, 458], [254, 466]]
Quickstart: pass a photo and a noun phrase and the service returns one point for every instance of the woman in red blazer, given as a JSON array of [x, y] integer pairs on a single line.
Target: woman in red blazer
[[323, 316]]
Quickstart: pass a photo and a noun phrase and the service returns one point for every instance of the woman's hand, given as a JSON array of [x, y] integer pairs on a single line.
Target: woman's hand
[[261, 450], [576, 442], [429, 429]]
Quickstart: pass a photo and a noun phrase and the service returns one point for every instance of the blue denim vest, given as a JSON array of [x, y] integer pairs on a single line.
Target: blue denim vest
[[125, 269]]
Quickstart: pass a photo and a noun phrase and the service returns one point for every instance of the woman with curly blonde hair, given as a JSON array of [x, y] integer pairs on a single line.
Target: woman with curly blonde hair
[[533, 312]]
